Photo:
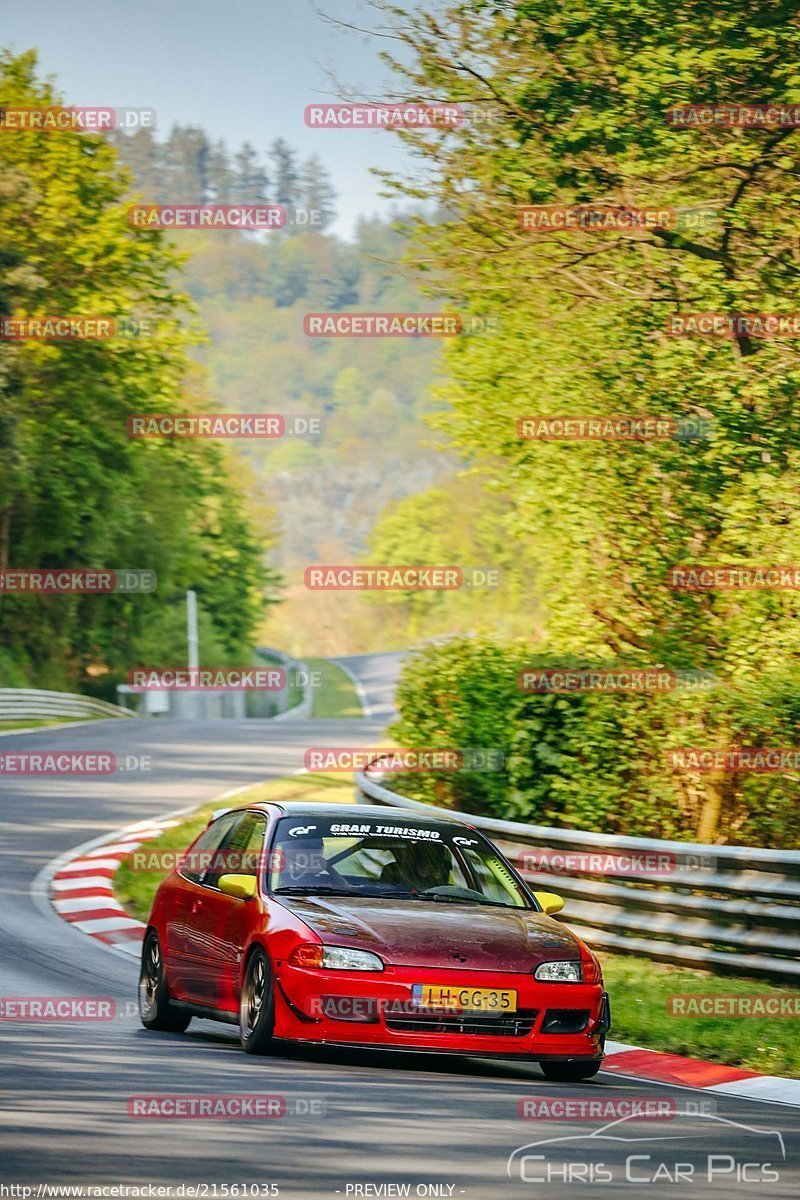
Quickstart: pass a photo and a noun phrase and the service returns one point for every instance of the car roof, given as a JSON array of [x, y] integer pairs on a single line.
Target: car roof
[[355, 812]]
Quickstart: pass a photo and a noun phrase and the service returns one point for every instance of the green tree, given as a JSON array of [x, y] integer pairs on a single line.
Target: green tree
[[75, 489], [456, 524], [568, 106]]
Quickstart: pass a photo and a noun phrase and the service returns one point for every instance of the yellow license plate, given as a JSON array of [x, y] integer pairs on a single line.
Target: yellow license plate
[[464, 999]]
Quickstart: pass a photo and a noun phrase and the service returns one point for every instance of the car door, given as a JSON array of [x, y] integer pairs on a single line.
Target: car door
[[185, 894], [220, 925]]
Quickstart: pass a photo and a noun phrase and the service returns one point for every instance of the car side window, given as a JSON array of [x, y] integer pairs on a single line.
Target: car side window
[[200, 857], [239, 853]]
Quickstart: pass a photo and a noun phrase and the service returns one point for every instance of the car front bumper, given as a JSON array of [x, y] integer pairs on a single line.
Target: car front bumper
[[377, 1009]]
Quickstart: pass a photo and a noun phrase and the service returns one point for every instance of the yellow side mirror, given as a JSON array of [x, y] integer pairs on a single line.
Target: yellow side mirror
[[243, 887], [550, 902]]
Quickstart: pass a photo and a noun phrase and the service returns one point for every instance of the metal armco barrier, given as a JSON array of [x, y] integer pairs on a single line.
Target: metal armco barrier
[[281, 703], [28, 704], [727, 909]]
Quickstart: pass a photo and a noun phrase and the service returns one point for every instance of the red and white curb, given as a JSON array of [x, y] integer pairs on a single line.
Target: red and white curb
[[81, 892], [79, 885], [714, 1078]]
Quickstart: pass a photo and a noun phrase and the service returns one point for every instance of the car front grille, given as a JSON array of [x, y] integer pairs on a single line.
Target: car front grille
[[519, 1024]]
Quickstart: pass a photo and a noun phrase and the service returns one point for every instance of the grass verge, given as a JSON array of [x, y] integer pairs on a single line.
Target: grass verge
[[336, 697], [640, 991], [135, 888]]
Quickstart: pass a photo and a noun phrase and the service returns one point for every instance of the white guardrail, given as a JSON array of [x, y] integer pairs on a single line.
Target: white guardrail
[[28, 704], [727, 909], [207, 704]]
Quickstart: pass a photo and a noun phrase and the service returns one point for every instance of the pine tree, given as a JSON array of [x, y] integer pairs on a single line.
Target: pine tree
[[317, 194], [222, 180], [186, 160], [252, 181], [286, 182], [144, 156]]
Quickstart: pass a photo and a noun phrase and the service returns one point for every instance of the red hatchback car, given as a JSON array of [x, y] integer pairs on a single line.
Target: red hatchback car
[[374, 927]]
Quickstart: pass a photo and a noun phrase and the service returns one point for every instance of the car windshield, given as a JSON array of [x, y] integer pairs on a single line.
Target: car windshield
[[429, 862]]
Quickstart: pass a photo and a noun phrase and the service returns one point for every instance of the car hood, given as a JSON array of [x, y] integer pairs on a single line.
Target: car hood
[[421, 934]]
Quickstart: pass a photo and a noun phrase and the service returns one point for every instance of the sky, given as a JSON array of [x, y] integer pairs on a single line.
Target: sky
[[242, 70]]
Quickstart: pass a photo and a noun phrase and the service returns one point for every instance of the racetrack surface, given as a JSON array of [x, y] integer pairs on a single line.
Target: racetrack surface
[[389, 1118]]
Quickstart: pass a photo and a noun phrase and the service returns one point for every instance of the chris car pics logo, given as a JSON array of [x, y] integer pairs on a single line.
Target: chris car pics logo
[[630, 1152]]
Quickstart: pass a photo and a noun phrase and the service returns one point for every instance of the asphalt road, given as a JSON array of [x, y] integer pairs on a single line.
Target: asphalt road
[[432, 1125]]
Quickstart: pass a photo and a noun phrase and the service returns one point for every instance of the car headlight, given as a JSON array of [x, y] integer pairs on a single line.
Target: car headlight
[[340, 958], [335, 958], [559, 972]]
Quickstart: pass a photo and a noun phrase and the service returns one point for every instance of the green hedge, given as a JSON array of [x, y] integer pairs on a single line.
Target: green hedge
[[591, 760]]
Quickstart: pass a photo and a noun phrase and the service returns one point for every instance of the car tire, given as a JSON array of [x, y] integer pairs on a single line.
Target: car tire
[[156, 1011], [257, 1005], [571, 1072]]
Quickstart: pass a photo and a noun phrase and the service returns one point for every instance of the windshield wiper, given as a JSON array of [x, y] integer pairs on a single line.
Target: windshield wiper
[[325, 889], [313, 889], [440, 899]]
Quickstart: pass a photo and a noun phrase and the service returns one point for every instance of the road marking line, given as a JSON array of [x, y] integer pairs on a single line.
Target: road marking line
[[762, 1087]]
